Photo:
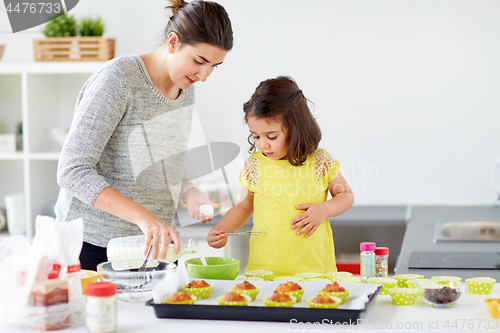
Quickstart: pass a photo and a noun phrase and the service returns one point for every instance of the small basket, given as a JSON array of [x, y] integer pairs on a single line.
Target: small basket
[[74, 49], [480, 285]]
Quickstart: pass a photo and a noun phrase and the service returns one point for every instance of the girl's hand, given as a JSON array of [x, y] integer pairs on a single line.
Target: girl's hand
[[310, 220], [154, 230], [194, 198], [216, 238]]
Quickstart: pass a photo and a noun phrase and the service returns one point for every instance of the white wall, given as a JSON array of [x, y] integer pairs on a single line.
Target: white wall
[[405, 91]]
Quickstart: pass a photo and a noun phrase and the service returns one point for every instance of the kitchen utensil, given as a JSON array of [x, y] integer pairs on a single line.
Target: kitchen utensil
[[250, 233], [220, 268], [134, 290], [120, 272]]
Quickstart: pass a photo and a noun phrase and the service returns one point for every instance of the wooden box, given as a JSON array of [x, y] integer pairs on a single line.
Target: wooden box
[[74, 49]]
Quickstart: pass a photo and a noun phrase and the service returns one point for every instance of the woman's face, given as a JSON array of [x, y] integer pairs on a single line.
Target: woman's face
[[269, 136], [191, 64]]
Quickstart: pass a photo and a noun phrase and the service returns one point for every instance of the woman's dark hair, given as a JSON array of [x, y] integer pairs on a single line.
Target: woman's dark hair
[[281, 99], [200, 22]]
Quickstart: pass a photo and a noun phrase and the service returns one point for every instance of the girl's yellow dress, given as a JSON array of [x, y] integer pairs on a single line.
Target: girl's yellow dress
[[278, 187]]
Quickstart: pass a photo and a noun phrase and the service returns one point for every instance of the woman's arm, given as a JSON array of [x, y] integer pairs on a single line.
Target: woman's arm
[[234, 219], [342, 199]]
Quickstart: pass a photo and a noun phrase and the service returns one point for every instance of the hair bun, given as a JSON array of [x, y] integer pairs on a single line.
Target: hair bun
[[176, 5]]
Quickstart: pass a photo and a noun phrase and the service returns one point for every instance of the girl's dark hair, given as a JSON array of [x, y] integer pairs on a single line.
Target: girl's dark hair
[[200, 22], [281, 99]]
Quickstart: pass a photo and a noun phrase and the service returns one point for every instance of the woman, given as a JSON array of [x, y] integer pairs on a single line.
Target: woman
[[121, 167]]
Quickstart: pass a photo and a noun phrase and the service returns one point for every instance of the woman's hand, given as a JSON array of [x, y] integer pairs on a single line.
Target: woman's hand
[[154, 230], [216, 238], [194, 198], [310, 220]]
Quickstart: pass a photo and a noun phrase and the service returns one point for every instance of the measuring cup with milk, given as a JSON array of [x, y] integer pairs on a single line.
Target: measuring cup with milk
[[132, 247]]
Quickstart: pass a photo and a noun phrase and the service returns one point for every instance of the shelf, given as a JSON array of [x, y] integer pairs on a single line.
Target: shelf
[[42, 95], [55, 67]]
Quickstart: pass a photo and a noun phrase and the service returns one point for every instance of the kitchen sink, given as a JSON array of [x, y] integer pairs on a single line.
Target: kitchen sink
[[467, 231]]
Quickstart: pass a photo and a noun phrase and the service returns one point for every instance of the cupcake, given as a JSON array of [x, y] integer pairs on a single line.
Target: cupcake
[[278, 299], [246, 288], [335, 290], [180, 297], [292, 289], [324, 302], [234, 299], [201, 289]]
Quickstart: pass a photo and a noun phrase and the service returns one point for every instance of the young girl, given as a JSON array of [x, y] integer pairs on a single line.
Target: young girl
[[285, 186]]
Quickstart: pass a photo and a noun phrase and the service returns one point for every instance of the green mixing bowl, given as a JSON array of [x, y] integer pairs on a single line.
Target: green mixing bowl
[[219, 268]]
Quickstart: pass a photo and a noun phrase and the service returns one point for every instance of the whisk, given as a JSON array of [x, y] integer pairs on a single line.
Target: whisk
[[250, 233], [134, 288]]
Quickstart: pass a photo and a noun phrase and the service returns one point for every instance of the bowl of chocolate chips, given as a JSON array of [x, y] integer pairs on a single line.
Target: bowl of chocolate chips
[[443, 294]]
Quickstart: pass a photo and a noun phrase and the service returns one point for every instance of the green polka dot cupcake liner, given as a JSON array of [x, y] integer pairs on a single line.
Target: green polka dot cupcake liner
[[403, 296], [444, 279], [249, 278], [333, 275], [334, 305], [273, 304], [250, 292], [288, 278], [413, 283], [388, 283], [221, 301], [403, 278], [262, 273], [317, 280], [342, 295], [480, 285], [297, 294], [200, 293], [309, 275], [352, 279], [193, 299]]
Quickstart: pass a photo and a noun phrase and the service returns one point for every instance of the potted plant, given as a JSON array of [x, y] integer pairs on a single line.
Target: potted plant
[[92, 26], [62, 26]]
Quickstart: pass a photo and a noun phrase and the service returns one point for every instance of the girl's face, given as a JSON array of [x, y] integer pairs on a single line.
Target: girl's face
[[269, 136], [191, 64]]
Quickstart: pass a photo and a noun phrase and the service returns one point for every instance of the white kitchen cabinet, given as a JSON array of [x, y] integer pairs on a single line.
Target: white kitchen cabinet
[[42, 96]]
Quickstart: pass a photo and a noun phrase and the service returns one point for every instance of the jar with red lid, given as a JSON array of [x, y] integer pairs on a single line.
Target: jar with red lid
[[101, 307], [381, 261]]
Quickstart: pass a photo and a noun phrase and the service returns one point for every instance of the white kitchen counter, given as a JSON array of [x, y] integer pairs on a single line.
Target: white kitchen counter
[[468, 315]]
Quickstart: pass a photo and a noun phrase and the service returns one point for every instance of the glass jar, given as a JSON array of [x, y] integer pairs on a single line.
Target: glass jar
[[381, 261], [367, 260], [100, 307]]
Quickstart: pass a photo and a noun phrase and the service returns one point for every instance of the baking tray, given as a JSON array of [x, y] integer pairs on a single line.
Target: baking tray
[[262, 313]]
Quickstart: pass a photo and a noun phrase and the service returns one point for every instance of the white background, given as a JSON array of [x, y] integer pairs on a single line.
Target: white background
[[406, 91]]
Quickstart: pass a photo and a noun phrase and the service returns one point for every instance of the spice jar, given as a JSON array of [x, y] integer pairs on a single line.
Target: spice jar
[[101, 307], [367, 260], [381, 261]]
